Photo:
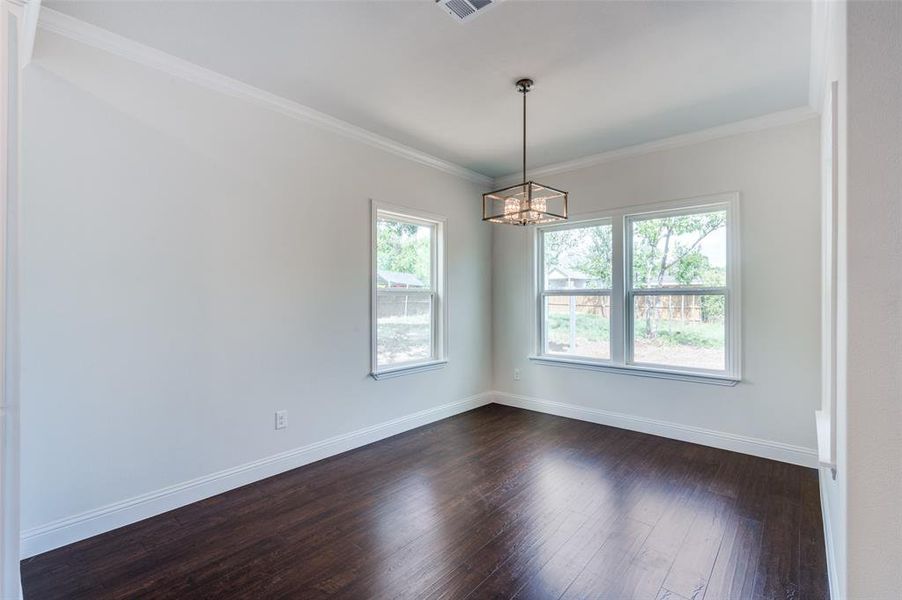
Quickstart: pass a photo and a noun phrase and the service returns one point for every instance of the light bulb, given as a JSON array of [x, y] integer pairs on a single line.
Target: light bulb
[[511, 207]]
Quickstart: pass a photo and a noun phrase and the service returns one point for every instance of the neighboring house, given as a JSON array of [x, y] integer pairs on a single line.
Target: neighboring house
[[560, 278], [394, 279]]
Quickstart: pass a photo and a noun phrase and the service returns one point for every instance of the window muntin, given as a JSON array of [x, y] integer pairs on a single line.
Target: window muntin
[[668, 300], [575, 300], [407, 291]]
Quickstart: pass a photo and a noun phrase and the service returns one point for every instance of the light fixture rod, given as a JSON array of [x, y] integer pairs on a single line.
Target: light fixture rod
[[527, 202], [524, 136], [524, 86]]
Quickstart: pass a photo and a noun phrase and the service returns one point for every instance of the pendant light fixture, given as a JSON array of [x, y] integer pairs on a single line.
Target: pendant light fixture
[[527, 203]]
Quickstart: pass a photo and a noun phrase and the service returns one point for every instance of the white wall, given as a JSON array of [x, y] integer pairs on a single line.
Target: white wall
[[191, 263], [776, 173], [861, 503], [874, 310], [833, 481]]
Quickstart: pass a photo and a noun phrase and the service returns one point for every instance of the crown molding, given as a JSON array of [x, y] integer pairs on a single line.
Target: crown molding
[[30, 15], [25, 13], [91, 35], [102, 39], [777, 119]]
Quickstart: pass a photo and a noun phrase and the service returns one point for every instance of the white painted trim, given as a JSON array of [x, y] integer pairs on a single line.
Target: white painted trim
[[28, 31], [830, 251], [431, 365], [829, 542], [825, 458], [797, 455], [777, 119], [91, 35], [11, 27], [99, 520], [633, 369]]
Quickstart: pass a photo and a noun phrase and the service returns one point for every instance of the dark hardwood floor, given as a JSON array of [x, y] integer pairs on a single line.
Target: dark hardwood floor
[[497, 502]]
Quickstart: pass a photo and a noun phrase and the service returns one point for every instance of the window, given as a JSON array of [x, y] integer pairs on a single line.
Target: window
[[645, 291], [408, 285], [676, 291], [576, 290]]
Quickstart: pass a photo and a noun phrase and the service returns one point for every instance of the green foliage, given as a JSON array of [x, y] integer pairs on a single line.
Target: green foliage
[[557, 244], [593, 328], [596, 328], [713, 308], [586, 249], [399, 248], [681, 333], [665, 251], [668, 250], [599, 259]]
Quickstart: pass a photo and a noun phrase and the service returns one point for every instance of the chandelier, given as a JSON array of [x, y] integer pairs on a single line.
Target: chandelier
[[527, 203]]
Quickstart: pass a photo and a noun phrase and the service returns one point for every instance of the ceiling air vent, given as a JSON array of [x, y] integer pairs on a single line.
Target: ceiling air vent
[[465, 10]]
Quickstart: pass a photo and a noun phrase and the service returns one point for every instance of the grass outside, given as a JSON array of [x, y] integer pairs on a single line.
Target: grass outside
[[680, 333], [675, 343], [595, 328], [591, 328], [401, 339]]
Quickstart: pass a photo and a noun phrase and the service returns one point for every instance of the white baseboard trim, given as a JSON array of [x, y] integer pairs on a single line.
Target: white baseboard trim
[[99, 520], [832, 573], [797, 455]]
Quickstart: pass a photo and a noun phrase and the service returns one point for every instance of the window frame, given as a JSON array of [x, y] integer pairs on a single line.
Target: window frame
[[437, 290], [621, 326]]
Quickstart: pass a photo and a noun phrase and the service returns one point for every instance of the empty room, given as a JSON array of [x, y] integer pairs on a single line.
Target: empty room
[[536, 299]]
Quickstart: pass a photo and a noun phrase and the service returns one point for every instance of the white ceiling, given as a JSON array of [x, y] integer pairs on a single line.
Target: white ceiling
[[608, 74]]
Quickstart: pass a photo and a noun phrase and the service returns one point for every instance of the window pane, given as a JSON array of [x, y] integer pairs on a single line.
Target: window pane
[[578, 258], [680, 250], [403, 254], [680, 331], [578, 326], [403, 328]]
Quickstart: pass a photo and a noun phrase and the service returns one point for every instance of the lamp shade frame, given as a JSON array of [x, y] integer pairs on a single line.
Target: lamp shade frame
[[527, 214]]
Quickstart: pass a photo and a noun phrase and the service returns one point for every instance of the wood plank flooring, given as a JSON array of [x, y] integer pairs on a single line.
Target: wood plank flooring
[[494, 503]]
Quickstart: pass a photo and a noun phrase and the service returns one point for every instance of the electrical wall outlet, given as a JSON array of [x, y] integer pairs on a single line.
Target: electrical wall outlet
[[281, 419], [516, 374]]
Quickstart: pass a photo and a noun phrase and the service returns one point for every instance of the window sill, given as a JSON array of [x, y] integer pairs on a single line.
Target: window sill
[[408, 370], [636, 370]]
